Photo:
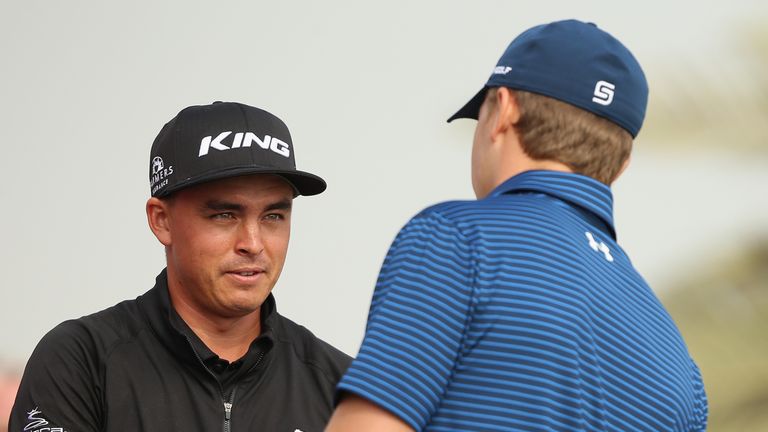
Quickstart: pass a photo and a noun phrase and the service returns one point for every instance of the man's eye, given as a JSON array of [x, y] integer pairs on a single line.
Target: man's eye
[[223, 216], [273, 217]]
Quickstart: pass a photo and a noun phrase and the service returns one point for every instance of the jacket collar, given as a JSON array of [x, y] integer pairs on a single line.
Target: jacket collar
[[157, 308], [576, 189]]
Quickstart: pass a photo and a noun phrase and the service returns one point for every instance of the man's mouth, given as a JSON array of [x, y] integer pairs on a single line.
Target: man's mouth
[[246, 272]]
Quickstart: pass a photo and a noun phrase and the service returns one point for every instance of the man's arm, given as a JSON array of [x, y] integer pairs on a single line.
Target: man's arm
[[357, 414], [59, 388], [415, 331]]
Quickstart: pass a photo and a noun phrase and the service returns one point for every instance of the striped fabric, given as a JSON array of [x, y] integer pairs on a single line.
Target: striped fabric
[[520, 312]]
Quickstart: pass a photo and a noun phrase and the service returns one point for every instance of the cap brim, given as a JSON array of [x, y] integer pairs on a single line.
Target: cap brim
[[471, 109], [303, 182]]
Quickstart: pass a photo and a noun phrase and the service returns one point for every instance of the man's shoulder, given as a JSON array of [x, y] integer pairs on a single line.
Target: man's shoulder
[[446, 213], [97, 333], [453, 209], [310, 350], [506, 222], [71, 359], [520, 208]]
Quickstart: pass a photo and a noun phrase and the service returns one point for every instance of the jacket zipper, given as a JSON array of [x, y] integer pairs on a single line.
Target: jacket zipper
[[227, 404], [228, 409]]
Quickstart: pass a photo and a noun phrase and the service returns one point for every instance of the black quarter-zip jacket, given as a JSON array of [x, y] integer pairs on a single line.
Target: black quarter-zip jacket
[[131, 368]]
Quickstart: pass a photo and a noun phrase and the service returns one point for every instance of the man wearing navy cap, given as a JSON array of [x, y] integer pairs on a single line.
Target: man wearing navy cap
[[205, 349], [520, 311]]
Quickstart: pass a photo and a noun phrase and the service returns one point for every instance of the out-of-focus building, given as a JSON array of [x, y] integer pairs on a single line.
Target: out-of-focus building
[[722, 311]]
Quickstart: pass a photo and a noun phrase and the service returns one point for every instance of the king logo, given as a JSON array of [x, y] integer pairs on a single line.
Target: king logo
[[243, 140]]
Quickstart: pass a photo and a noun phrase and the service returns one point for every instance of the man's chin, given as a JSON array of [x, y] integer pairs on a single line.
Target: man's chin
[[238, 300], [245, 305]]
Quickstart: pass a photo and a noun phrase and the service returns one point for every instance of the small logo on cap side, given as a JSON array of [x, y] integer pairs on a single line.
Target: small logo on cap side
[[603, 93], [501, 70], [157, 164], [243, 140], [158, 179]]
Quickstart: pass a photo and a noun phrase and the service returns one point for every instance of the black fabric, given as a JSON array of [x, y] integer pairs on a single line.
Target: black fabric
[[224, 139], [226, 372], [129, 368]]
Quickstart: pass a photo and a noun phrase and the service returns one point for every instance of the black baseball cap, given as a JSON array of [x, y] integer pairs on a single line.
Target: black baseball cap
[[224, 139], [574, 62]]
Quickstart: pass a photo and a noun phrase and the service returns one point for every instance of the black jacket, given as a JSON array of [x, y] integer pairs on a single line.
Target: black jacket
[[131, 368]]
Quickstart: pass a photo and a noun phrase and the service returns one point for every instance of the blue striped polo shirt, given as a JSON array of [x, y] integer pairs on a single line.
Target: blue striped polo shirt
[[520, 312]]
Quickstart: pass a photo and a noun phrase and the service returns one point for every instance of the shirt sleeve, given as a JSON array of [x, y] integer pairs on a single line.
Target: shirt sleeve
[[417, 321], [701, 404], [59, 389]]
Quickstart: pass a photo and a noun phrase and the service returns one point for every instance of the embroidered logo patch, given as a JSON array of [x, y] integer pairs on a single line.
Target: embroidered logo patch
[[38, 423]]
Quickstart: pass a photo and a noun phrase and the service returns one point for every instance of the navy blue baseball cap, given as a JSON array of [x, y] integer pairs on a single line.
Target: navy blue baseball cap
[[574, 62]]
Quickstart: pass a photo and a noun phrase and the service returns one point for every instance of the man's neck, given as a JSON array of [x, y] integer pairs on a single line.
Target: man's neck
[[228, 337], [516, 163]]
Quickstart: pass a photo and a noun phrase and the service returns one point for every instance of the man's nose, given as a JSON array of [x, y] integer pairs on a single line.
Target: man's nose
[[249, 241]]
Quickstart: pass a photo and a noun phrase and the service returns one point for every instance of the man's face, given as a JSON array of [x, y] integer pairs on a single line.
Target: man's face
[[227, 242], [482, 173]]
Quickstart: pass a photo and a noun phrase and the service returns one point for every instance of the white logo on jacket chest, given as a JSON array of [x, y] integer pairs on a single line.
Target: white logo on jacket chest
[[599, 247]]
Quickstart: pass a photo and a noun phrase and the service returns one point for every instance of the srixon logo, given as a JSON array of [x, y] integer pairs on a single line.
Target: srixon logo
[[243, 140]]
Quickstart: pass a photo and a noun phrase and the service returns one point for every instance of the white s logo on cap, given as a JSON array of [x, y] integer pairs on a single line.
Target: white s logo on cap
[[603, 93]]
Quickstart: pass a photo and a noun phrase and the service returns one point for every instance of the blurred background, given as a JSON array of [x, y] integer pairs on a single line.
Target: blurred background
[[365, 89]]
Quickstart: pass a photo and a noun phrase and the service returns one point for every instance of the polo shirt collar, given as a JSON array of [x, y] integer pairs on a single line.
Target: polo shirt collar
[[268, 312], [576, 189]]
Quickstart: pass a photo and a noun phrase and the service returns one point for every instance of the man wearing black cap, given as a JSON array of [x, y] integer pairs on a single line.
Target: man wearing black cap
[[205, 349], [520, 311]]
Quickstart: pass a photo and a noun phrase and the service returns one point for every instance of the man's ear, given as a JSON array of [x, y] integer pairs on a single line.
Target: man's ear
[[159, 220], [507, 111]]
